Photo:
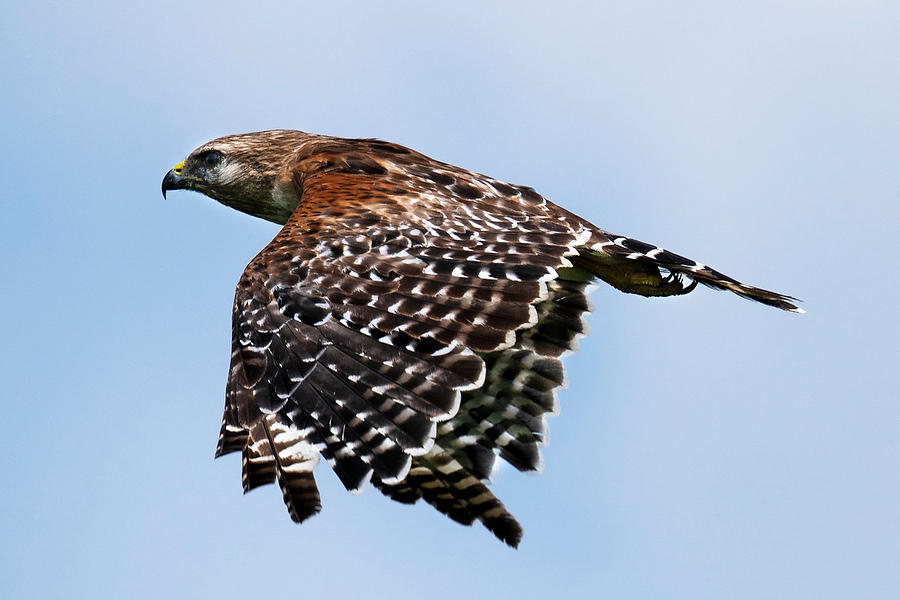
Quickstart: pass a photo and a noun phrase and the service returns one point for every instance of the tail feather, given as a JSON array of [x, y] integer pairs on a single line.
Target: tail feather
[[640, 268]]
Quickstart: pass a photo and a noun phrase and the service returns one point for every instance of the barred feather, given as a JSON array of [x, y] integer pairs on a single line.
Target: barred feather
[[453, 490], [408, 322]]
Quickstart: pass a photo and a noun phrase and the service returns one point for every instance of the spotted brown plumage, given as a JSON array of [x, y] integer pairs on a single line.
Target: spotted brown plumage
[[408, 321]]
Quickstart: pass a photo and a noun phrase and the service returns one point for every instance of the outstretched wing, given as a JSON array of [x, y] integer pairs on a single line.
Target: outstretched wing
[[383, 304], [407, 324]]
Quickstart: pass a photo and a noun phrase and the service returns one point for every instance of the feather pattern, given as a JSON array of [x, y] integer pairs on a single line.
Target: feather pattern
[[409, 320]]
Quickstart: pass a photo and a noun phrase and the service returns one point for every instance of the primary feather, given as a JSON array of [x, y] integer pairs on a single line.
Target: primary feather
[[407, 323]]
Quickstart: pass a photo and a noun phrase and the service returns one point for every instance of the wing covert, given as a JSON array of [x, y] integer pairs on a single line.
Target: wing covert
[[376, 311], [408, 321]]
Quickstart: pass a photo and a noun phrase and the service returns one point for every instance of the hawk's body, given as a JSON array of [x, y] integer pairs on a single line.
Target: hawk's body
[[407, 323]]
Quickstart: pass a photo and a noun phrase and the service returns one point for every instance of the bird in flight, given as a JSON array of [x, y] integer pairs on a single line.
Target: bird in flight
[[407, 322]]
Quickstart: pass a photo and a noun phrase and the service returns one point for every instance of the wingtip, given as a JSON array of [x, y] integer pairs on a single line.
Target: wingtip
[[506, 529]]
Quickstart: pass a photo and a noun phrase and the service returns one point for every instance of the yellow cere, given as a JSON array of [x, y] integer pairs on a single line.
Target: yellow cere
[[177, 168]]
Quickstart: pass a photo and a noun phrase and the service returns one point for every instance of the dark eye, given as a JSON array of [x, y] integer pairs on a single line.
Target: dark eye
[[211, 158]]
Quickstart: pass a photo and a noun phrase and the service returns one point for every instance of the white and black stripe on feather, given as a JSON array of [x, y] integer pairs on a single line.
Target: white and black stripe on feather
[[409, 320], [274, 452], [670, 267], [449, 487], [506, 416]]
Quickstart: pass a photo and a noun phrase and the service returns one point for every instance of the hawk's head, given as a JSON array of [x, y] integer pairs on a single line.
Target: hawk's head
[[250, 172]]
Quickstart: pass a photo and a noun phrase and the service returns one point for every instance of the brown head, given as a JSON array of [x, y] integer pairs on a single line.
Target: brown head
[[249, 172]]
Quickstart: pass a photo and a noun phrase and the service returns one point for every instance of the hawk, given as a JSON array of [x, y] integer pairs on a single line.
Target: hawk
[[407, 322]]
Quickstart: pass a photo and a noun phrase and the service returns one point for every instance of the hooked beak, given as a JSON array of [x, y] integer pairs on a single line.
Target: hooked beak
[[173, 179]]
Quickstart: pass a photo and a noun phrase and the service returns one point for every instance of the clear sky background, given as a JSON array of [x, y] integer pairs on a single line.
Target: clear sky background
[[707, 447]]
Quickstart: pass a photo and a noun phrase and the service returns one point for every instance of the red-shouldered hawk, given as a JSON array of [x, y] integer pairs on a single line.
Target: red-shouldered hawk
[[407, 322]]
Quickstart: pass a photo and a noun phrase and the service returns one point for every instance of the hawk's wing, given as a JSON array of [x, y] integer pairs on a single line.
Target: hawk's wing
[[407, 324], [377, 310]]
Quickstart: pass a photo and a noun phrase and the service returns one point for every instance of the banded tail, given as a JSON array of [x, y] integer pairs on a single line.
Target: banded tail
[[637, 267]]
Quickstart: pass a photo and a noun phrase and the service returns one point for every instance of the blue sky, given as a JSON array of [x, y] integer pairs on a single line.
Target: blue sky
[[707, 447]]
